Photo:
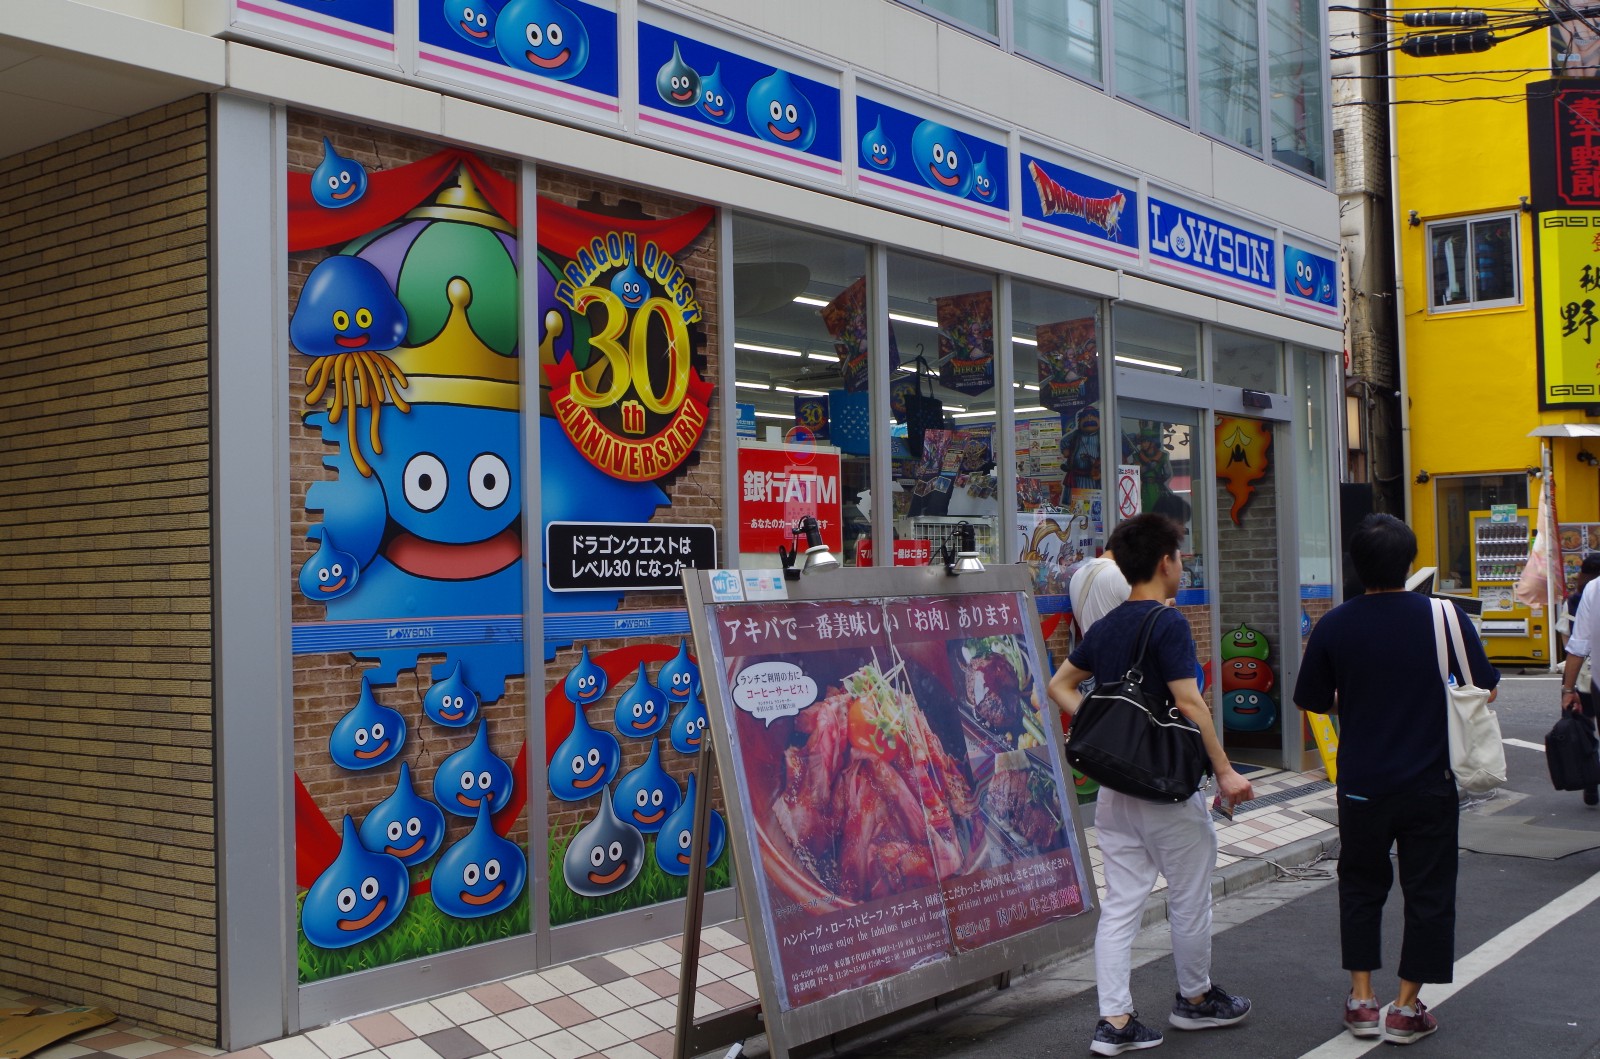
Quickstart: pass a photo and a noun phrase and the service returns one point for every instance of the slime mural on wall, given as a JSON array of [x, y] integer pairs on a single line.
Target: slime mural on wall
[[555, 53], [405, 331], [910, 155], [1246, 681]]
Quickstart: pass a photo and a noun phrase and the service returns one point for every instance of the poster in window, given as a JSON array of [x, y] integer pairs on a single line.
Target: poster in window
[[846, 320], [966, 342], [1069, 362]]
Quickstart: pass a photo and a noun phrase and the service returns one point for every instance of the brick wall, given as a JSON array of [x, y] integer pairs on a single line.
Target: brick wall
[[106, 737]]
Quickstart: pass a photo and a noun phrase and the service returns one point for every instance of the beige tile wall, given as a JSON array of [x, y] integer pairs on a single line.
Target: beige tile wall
[[106, 735]]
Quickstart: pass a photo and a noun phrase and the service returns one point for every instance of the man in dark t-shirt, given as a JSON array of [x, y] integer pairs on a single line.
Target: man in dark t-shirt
[[1139, 839], [1373, 659]]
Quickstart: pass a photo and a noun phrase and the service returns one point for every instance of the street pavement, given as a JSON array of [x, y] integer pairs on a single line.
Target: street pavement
[[1527, 951]]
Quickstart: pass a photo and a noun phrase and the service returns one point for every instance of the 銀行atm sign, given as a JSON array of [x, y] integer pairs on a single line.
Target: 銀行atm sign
[[779, 486]]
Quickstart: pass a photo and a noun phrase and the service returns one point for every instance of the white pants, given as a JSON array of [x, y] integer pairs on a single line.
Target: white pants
[[1138, 839]]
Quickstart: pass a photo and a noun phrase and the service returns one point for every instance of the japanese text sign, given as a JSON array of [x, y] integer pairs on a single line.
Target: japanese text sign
[[1568, 248]]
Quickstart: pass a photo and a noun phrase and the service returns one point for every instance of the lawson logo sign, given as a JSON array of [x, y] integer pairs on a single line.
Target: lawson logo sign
[[1199, 245]]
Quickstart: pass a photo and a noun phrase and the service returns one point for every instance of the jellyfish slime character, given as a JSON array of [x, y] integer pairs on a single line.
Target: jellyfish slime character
[[356, 897], [473, 775], [677, 835], [648, 794], [404, 825], [479, 875], [605, 856]]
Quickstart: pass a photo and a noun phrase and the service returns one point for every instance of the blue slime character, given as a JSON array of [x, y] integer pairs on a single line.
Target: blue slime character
[[1248, 711], [645, 796], [369, 735], [356, 897], [542, 37], [876, 148], [677, 833], [404, 825], [631, 286], [642, 709], [983, 188], [479, 875], [472, 776], [451, 702], [941, 159], [329, 573], [676, 82], [337, 181], [587, 760], [346, 306], [606, 854], [680, 677], [473, 20], [780, 113], [689, 727], [586, 683], [716, 102]]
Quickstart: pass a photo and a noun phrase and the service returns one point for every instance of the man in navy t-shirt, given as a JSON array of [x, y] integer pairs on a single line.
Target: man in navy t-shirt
[[1139, 839], [1373, 659]]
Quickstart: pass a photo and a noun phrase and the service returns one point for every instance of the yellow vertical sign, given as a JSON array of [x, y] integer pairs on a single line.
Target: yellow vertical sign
[[1327, 737], [1568, 246]]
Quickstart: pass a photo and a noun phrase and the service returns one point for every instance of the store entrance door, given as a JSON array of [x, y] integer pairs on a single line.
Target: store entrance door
[[1251, 694]]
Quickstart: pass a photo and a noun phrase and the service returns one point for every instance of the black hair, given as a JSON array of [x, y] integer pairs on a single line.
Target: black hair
[[1174, 507], [1382, 549], [1140, 543]]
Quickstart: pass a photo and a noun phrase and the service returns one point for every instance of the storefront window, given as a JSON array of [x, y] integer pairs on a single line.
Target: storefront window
[[1460, 556], [1055, 356], [1063, 33], [1152, 63], [1228, 44], [1314, 491], [1152, 342], [1247, 361], [801, 332], [943, 388]]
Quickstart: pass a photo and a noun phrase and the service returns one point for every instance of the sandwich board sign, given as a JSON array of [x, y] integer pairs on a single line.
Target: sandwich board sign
[[898, 809]]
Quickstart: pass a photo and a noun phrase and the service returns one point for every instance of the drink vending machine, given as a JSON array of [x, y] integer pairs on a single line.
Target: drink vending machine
[[1512, 631]]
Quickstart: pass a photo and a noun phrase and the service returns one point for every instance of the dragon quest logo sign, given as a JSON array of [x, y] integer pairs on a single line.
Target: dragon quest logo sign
[[632, 402], [1192, 243]]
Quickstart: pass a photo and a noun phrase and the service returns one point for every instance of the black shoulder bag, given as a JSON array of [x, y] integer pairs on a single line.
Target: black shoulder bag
[[1128, 734]]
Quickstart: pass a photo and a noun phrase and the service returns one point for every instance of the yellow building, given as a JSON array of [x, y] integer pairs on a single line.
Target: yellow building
[[1477, 420]]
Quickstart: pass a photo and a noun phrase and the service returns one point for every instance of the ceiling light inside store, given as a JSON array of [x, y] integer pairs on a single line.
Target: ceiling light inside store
[[751, 347], [805, 393], [775, 415], [754, 385], [830, 357], [1156, 364], [820, 303], [971, 415], [1024, 386], [1024, 341], [921, 321]]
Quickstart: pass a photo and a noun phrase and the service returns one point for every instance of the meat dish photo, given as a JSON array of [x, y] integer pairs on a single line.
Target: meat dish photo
[[870, 803], [1021, 799], [1001, 694]]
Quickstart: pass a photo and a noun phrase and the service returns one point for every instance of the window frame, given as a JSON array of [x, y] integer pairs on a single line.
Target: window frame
[[1473, 304]]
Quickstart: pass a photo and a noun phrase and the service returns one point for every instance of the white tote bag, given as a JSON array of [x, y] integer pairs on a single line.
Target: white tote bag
[[1477, 757]]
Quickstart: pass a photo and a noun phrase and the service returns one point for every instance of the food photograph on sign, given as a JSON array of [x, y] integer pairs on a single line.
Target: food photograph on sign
[[896, 771]]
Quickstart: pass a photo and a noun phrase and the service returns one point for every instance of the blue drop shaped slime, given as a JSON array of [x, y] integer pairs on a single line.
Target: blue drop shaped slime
[[677, 833], [337, 181], [369, 735], [451, 702], [642, 709], [716, 102], [587, 761], [780, 113], [631, 286], [876, 149], [680, 677], [355, 897], [941, 159], [329, 573], [471, 776], [688, 728], [648, 794], [542, 37], [983, 188], [473, 21], [481, 874], [586, 682], [404, 825]]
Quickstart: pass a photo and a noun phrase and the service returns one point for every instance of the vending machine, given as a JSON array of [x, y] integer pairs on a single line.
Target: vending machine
[[1501, 540]]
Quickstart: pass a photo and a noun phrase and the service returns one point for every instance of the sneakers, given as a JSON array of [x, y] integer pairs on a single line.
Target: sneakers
[[1408, 1025], [1108, 1040], [1217, 1008], [1362, 1017]]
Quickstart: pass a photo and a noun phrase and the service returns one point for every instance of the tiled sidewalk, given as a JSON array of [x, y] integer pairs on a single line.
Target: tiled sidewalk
[[623, 1005]]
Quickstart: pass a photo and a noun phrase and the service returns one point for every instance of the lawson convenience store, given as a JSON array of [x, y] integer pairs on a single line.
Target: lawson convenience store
[[428, 583]]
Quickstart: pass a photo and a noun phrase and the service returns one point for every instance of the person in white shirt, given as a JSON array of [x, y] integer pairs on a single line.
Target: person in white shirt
[[1097, 588]]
